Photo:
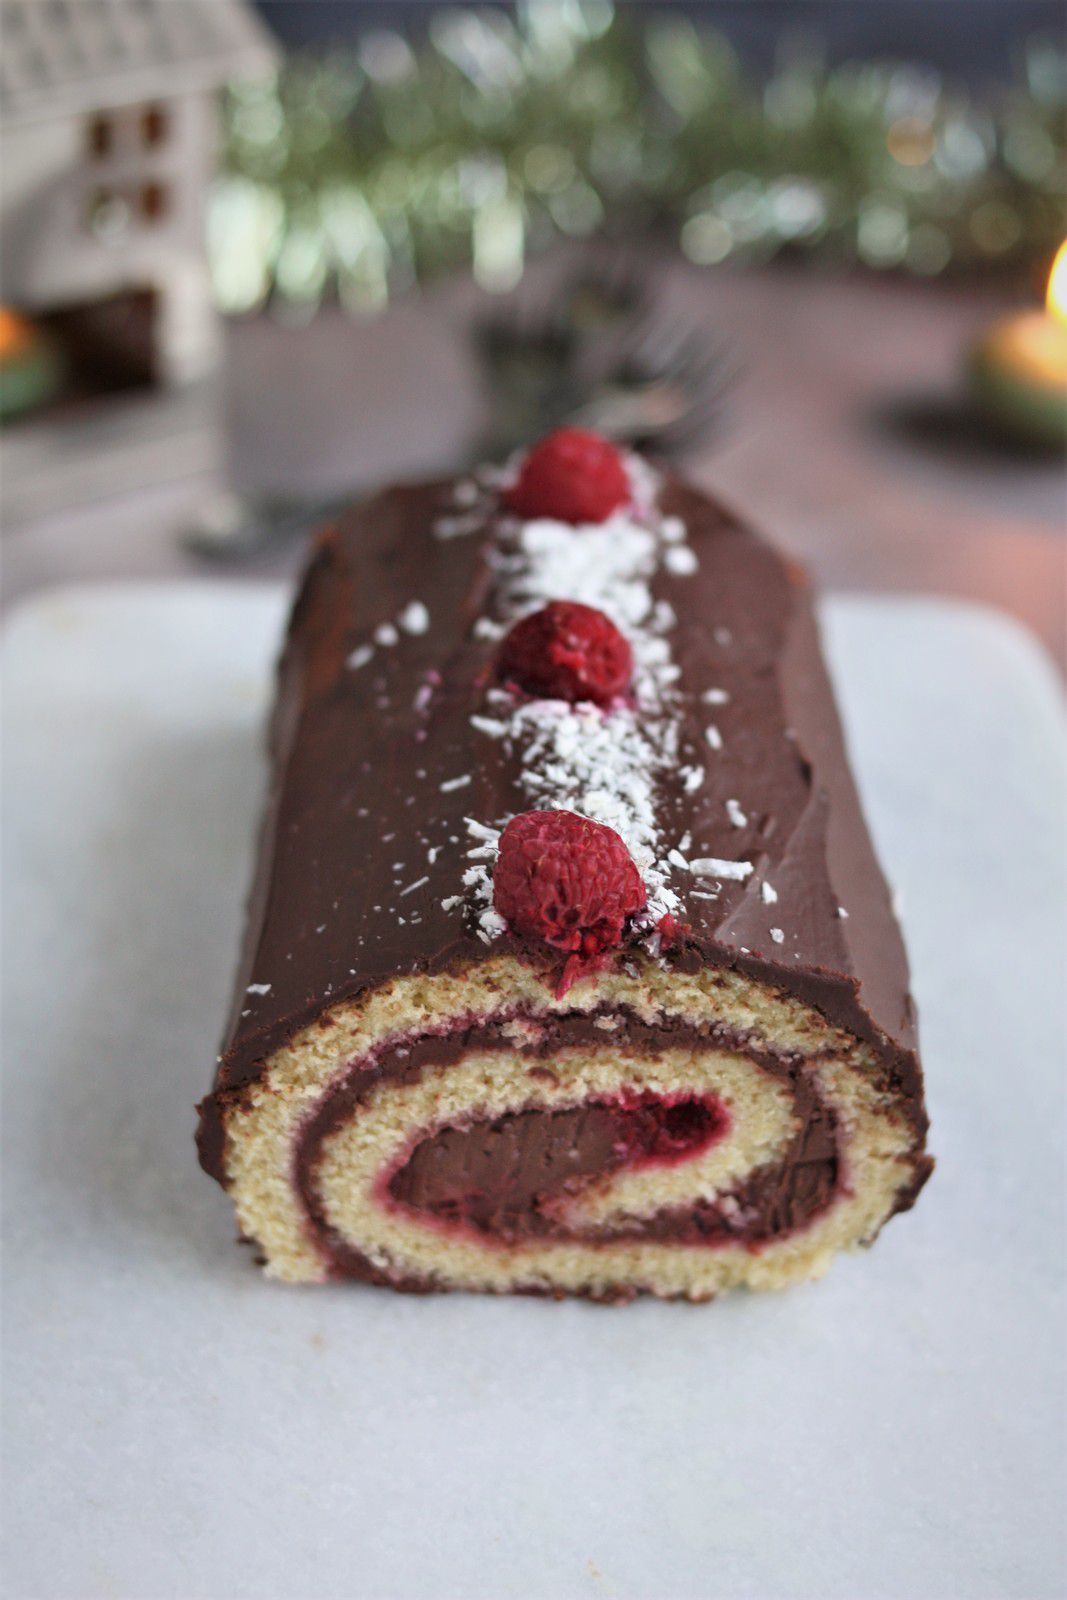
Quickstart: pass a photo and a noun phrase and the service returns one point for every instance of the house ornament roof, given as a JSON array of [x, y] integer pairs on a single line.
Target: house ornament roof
[[69, 57]]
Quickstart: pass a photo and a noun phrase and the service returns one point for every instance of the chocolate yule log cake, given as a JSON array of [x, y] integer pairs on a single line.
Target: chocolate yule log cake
[[569, 967]]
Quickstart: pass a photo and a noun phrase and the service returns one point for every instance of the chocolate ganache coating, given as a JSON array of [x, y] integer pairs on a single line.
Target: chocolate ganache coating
[[376, 766]]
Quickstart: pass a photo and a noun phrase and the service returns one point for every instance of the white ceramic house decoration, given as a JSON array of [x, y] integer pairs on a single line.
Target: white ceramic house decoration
[[108, 113]]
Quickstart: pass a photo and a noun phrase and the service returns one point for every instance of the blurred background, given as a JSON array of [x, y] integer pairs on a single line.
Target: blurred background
[[256, 258]]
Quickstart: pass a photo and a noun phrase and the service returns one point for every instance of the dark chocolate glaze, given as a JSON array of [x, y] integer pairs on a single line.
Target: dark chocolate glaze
[[507, 1170], [359, 757]]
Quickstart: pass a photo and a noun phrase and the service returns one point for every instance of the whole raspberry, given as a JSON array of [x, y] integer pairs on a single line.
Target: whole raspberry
[[567, 651], [571, 475], [568, 881]]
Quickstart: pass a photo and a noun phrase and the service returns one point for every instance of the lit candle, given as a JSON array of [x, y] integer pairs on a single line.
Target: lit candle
[[1019, 368]]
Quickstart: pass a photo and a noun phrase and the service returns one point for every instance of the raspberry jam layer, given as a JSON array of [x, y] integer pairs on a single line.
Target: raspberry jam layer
[[574, 1146], [505, 1178]]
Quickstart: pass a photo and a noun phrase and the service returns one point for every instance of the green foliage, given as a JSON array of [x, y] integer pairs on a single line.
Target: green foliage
[[363, 171]]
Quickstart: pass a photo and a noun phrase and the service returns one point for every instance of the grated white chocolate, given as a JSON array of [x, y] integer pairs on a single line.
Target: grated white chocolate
[[604, 764]]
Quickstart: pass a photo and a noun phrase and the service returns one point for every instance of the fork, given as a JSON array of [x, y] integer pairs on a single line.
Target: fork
[[594, 354]]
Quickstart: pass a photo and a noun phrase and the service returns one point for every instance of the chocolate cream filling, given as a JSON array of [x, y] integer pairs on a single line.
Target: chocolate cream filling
[[504, 1179], [501, 1177]]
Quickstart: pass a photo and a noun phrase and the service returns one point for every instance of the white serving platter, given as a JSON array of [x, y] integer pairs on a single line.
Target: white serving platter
[[176, 1426]]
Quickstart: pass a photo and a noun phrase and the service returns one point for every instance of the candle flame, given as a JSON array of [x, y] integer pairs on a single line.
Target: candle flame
[[14, 332], [1056, 296]]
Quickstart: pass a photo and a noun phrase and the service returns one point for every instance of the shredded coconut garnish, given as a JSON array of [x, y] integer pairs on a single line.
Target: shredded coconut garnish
[[490, 725], [455, 783], [737, 817], [777, 935], [714, 737], [715, 697], [259, 988], [458, 527], [478, 830], [605, 765], [768, 895], [680, 561], [414, 618], [478, 881], [491, 925], [413, 886], [712, 867]]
